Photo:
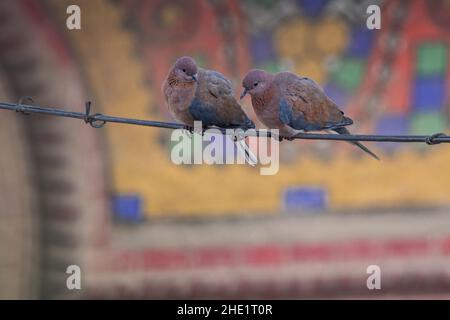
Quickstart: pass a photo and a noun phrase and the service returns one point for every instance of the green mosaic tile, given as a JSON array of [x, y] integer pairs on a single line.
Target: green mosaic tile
[[428, 123], [432, 58], [201, 60], [349, 73], [271, 67]]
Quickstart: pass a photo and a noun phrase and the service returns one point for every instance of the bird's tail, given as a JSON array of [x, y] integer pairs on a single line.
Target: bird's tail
[[250, 157], [343, 130]]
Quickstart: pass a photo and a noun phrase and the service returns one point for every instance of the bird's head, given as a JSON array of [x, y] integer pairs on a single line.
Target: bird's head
[[255, 82], [185, 69]]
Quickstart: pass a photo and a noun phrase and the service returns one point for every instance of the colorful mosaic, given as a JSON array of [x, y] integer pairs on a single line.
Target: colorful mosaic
[[390, 81]]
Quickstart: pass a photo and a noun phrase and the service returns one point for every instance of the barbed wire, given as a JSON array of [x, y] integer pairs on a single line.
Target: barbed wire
[[98, 120]]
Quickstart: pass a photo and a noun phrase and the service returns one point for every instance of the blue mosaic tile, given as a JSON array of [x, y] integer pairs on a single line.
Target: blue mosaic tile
[[361, 41], [428, 93], [339, 95], [305, 199], [312, 7], [128, 207], [262, 49]]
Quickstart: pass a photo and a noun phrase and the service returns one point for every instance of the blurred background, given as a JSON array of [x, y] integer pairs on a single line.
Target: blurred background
[[111, 201]]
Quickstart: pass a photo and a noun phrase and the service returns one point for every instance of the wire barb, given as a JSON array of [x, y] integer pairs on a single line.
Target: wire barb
[[20, 107], [91, 119], [431, 140]]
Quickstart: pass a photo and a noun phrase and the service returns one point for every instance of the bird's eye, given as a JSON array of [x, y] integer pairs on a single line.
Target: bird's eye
[[255, 84], [184, 70]]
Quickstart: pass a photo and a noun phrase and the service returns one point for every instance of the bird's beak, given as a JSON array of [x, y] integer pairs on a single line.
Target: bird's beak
[[194, 77], [243, 94]]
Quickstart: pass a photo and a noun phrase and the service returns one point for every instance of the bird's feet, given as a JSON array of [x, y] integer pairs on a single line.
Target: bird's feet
[[192, 130], [281, 138], [189, 129], [238, 135]]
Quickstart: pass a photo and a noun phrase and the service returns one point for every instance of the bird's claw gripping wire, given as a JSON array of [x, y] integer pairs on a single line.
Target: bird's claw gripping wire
[[431, 140], [193, 130], [238, 135], [189, 129], [281, 138], [88, 118], [20, 107]]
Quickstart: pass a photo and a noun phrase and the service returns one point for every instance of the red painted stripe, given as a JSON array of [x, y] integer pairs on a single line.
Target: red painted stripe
[[42, 21], [276, 254]]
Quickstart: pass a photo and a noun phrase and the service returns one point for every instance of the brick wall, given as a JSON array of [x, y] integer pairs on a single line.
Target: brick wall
[[52, 178], [18, 212]]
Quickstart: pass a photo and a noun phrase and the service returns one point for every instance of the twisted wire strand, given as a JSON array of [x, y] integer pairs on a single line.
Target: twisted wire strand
[[98, 120]]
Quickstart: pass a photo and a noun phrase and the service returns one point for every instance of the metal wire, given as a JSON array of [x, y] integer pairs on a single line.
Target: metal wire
[[98, 120]]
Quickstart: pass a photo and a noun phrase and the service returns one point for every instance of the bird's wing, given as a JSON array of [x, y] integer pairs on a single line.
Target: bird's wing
[[305, 106], [216, 84], [215, 102]]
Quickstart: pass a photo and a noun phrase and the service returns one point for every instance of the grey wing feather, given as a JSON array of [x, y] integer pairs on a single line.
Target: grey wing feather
[[217, 84]]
